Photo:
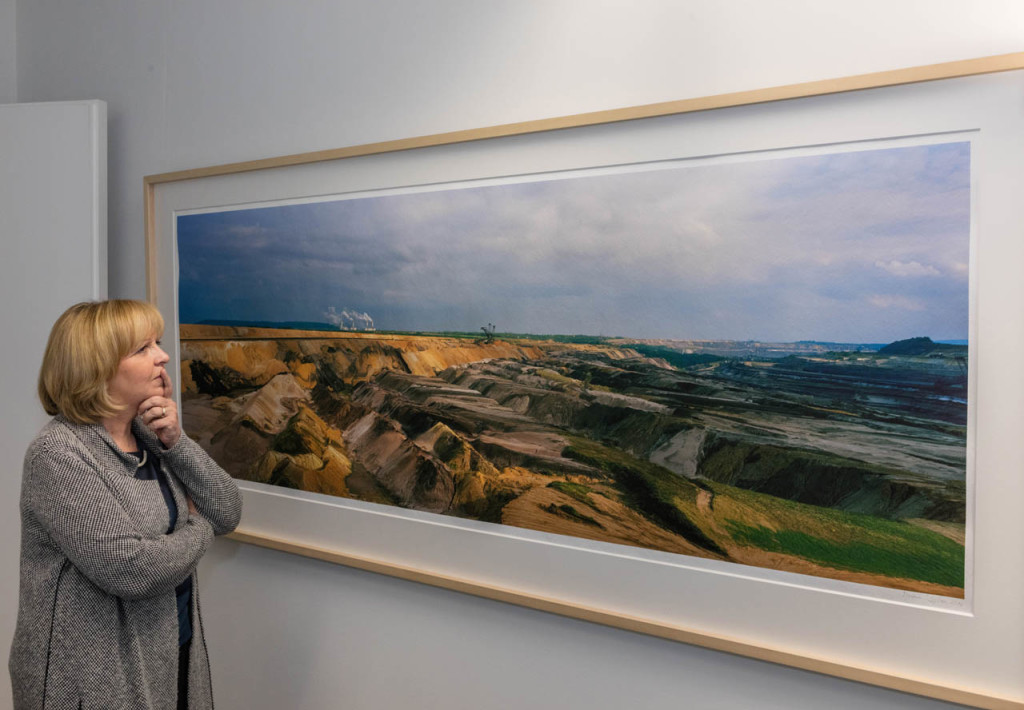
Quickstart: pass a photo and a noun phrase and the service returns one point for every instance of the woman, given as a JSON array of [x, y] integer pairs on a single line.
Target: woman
[[117, 507]]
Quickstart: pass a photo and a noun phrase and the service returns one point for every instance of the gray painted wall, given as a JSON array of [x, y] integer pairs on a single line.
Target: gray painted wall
[[8, 52], [192, 83]]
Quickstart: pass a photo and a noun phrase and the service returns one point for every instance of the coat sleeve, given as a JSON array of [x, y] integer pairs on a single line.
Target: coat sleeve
[[81, 515], [211, 488]]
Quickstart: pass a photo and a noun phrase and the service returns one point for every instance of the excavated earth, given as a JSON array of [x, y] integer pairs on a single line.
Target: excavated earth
[[587, 441]]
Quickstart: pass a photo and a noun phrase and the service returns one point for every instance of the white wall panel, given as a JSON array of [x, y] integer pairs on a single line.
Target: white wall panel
[[52, 254]]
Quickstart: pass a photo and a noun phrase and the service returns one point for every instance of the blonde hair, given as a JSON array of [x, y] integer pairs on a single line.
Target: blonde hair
[[85, 349]]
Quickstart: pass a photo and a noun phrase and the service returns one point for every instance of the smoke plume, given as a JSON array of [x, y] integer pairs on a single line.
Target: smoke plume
[[349, 320]]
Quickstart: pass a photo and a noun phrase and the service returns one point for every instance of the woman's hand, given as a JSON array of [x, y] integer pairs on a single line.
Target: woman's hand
[[160, 414]]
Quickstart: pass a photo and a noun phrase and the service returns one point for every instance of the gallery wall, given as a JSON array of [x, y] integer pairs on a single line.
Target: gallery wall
[[193, 82]]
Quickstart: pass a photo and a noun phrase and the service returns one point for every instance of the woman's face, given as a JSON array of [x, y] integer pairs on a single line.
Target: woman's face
[[140, 375]]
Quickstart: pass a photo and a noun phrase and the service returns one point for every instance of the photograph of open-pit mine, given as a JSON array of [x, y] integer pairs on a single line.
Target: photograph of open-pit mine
[[762, 361]]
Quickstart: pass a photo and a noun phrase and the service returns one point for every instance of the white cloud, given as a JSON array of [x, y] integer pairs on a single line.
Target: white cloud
[[244, 230], [911, 269], [880, 300]]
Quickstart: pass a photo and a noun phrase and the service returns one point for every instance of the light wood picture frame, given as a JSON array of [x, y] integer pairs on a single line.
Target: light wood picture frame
[[961, 652]]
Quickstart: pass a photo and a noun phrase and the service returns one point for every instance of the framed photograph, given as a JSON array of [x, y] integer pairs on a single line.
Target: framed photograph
[[738, 371]]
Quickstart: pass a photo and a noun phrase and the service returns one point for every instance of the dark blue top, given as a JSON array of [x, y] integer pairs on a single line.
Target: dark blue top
[[148, 472]]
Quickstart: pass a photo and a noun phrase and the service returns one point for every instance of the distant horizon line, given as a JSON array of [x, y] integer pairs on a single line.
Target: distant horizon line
[[333, 328]]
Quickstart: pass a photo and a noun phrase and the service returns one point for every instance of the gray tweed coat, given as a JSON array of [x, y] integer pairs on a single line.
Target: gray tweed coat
[[97, 618]]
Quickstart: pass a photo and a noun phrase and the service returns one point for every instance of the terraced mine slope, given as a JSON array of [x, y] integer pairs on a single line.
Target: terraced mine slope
[[841, 465]]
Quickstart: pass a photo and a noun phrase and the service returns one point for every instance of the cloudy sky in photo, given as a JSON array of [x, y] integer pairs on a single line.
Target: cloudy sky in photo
[[868, 246]]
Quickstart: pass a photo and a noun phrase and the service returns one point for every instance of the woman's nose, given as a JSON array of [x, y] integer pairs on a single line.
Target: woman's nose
[[162, 357]]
